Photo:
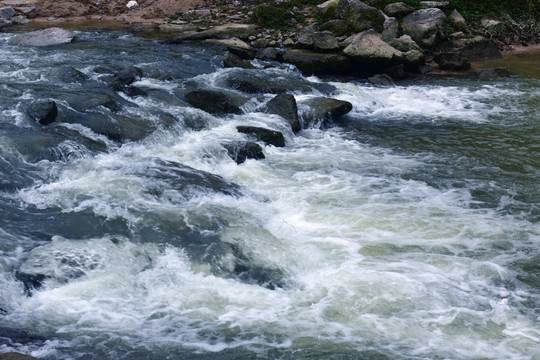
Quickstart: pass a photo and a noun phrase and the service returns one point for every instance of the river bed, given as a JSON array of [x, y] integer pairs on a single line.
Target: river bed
[[407, 229]]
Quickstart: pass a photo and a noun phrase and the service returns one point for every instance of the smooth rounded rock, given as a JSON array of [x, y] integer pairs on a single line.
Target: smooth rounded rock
[[47, 37]]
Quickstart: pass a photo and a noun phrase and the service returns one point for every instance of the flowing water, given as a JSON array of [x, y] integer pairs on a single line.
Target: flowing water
[[408, 229]]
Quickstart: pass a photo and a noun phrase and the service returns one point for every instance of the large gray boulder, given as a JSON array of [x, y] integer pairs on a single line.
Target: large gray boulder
[[458, 21], [398, 9], [391, 29], [235, 46], [312, 63], [44, 112], [360, 16], [47, 37], [216, 102], [337, 27], [369, 50], [241, 31], [405, 43], [425, 26], [285, 106]]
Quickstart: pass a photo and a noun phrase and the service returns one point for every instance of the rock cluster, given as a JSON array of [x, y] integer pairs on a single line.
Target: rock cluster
[[355, 37]]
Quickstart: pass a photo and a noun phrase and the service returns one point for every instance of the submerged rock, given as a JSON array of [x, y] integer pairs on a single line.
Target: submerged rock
[[231, 60], [47, 37], [44, 112], [216, 101], [285, 106], [269, 137], [492, 73], [16, 336], [125, 78], [241, 151], [16, 356], [381, 79]]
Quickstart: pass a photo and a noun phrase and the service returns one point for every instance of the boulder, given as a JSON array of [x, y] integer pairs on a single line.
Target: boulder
[[327, 10], [336, 27], [44, 112], [269, 137], [381, 80], [360, 16], [324, 41], [312, 63], [16, 356], [70, 75], [7, 13], [454, 61], [317, 111], [20, 20], [494, 27], [241, 151], [241, 31], [414, 59], [434, 4], [405, 43], [4, 22], [215, 101], [458, 21], [396, 71], [425, 26], [47, 37], [305, 36], [476, 48], [269, 53], [492, 73], [285, 106], [231, 60], [16, 336], [124, 78], [391, 29], [236, 47], [369, 50], [398, 9]]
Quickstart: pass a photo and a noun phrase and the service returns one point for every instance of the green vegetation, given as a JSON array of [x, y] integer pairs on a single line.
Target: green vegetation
[[281, 16]]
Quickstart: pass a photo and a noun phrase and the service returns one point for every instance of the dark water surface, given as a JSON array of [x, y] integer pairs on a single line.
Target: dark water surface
[[410, 229]]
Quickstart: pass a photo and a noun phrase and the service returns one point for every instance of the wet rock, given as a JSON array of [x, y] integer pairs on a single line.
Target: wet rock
[[90, 99], [44, 112], [327, 10], [425, 26], [216, 101], [452, 61], [476, 48], [269, 53], [396, 71], [434, 4], [398, 9], [324, 41], [236, 47], [312, 63], [369, 50], [124, 78], [47, 37], [458, 21], [241, 151], [70, 74], [285, 106], [133, 91], [269, 137], [16, 356], [241, 31], [4, 22], [360, 16], [16, 336], [381, 79], [231, 60], [391, 29], [336, 27], [492, 73], [7, 13], [317, 111]]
